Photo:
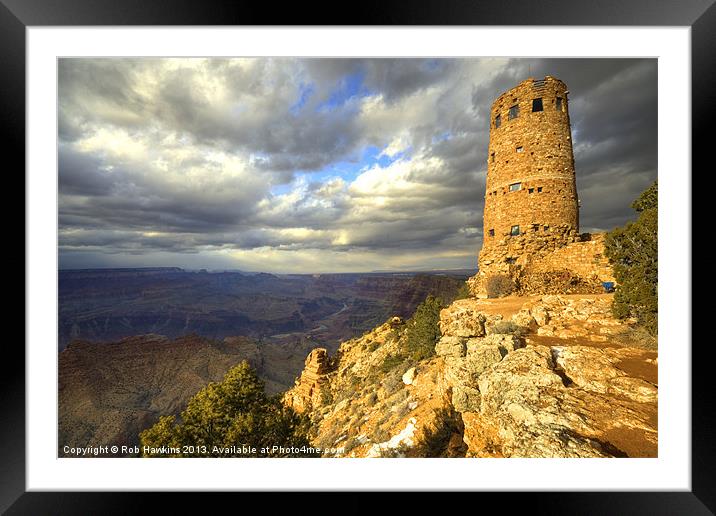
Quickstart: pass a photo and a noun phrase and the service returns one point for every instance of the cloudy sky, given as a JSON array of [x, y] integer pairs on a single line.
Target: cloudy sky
[[319, 165]]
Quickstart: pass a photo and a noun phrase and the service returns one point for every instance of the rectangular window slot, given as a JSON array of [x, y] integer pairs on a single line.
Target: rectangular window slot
[[537, 105], [492, 232], [559, 103], [520, 149], [539, 189], [510, 260], [515, 230], [531, 190], [492, 156], [498, 121], [515, 186], [514, 112]]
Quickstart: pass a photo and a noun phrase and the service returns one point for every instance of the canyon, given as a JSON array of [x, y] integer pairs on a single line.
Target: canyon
[[136, 344]]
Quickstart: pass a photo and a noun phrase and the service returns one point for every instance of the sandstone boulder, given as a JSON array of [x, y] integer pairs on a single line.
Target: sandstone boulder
[[540, 315], [451, 347], [465, 399], [462, 319], [409, 376], [597, 370], [525, 319]]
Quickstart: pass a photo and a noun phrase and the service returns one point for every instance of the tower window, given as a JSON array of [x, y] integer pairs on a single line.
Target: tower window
[[515, 186], [520, 149], [492, 232], [535, 227], [514, 112], [510, 260], [539, 189], [531, 190], [515, 230], [492, 156], [559, 103], [546, 228], [498, 121], [537, 105]]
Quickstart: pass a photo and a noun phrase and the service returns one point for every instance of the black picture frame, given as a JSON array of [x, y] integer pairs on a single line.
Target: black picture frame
[[17, 15]]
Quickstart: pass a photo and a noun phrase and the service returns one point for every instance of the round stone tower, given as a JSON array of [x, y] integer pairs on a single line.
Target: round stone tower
[[531, 204]]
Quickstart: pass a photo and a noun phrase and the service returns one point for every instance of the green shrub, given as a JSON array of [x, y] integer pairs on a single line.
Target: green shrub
[[326, 397], [391, 362], [499, 285], [508, 328], [380, 435], [233, 412], [392, 382], [633, 253], [463, 292], [436, 440], [422, 330]]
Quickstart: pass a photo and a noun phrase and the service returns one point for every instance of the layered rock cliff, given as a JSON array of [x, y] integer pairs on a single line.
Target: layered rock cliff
[[549, 376], [109, 392]]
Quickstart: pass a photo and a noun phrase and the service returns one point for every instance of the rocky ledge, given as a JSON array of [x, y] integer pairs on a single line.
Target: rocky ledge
[[550, 376]]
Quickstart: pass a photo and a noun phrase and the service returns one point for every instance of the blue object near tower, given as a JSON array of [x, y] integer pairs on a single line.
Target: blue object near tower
[[608, 286]]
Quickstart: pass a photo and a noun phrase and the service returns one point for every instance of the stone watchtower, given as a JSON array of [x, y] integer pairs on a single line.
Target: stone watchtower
[[531, 204]]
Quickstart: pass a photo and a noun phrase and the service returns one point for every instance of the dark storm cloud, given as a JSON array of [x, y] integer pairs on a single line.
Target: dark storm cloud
[[82, 175], [392, 78], [396, 78], [181, 156]]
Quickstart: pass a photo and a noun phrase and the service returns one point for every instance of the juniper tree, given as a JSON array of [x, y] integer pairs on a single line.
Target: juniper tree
[[234, 412], [633, 253]]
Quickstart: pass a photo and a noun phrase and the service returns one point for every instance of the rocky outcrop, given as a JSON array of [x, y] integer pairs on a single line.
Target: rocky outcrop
[[519, 398], [531, 407], [568, 317], [375, 403], [313, 385], [512, 377]]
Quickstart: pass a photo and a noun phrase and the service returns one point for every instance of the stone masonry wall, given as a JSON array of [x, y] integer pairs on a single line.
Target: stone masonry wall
[[585, 259], [530, 166], [580, 255]]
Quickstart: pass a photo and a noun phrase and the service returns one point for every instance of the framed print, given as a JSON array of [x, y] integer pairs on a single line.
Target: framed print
[[263, 255]]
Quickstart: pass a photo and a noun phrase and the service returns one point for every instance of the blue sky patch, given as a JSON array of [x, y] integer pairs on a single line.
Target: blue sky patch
[[350, 86], [305, 91]]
